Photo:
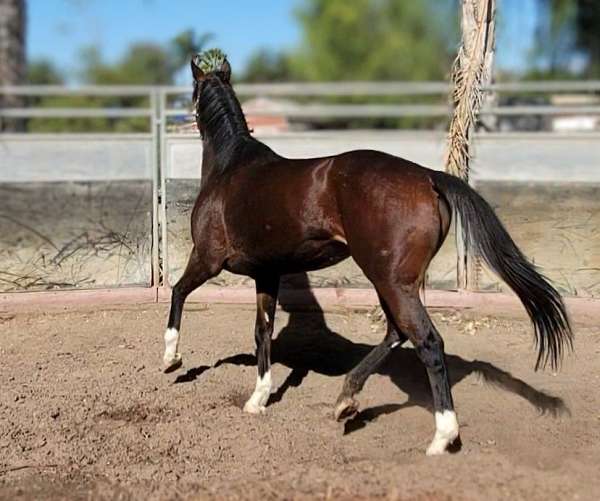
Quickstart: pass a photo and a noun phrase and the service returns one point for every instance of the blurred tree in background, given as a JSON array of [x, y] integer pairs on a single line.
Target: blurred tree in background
[[567, 39], [43, 72], [400, 40], [268, 66], [142, 63], [365, 40], [13, 62], [587, 22], [376, 39]]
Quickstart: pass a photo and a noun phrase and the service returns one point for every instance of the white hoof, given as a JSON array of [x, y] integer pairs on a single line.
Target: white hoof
[[172, 362], [251, 408], [257, 403], [446, 432], [437, 447], [171, 358]]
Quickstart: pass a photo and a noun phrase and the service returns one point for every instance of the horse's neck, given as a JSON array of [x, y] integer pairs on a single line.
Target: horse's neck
[[208, 162], [249, 152], [227, 141]]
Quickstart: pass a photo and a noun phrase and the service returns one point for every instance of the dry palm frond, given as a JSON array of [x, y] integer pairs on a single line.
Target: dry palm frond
[[210, 60], [471, 72]]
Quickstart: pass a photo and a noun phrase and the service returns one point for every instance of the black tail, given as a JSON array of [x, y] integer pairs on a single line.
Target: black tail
[[484, 233]]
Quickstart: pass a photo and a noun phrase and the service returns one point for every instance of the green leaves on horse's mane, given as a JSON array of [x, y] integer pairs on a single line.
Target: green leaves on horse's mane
[[210, 60]]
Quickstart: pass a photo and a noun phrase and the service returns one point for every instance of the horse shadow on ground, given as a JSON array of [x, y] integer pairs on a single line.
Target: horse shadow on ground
[[307, 344]]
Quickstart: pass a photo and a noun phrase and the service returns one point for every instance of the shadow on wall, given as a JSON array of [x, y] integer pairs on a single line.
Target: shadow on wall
[[307, 344]]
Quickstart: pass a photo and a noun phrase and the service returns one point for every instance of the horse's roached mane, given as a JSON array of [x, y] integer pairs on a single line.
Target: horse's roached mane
[[222, 122]]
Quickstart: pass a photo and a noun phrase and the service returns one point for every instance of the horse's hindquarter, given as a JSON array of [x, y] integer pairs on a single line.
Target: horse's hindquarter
[[283, 217], [390, 214]]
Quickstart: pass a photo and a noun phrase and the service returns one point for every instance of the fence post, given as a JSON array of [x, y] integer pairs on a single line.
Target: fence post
[[164, 255], [155, 125]]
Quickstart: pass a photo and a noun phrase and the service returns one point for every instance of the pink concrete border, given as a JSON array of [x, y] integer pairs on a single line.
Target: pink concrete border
[[492, 302], [76, 298]]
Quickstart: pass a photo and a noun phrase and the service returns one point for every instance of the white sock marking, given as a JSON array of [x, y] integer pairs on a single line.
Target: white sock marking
[[257, 402], [446, 431], [171, 357]]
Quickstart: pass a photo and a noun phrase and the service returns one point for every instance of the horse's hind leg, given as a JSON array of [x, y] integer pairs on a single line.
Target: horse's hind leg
[[197, 271], [411, 318], [346, 406], [267, 288]]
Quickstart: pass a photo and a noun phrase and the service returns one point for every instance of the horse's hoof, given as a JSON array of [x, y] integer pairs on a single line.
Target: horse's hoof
[[439, 447], [347, 408], [436, 449], [172, 364], [252, 408]]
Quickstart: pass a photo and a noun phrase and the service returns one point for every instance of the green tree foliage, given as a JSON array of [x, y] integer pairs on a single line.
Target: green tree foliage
[[587, 21], [268, 66], [142, 64], [376, 39], [365, 40], [43, 72], [567, 39]]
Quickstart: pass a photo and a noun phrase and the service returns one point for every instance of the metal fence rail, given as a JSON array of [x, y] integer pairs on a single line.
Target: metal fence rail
[[159, 98]]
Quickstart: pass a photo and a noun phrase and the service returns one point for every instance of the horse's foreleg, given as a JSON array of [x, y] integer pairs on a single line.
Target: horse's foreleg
[[197, 271], [346, 406], [412, 318], [266, 302]]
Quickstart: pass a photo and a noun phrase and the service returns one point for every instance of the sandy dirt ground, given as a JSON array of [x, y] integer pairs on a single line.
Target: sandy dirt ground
[[86, 413]]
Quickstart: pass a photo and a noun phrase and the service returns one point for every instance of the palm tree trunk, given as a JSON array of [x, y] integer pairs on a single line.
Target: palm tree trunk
[[12, 52], [472, 71]]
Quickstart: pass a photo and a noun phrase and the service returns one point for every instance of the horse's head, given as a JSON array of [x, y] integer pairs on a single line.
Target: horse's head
[[209, 65]]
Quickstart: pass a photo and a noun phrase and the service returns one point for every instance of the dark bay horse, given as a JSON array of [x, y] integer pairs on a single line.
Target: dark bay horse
[[262, 215]]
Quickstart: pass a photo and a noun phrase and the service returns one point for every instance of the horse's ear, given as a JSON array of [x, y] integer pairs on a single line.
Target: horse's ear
[[196, 71], [225, 71]]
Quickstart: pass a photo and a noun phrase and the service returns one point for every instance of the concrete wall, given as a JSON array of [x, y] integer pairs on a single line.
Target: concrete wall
[[76, 211], [544, 188]]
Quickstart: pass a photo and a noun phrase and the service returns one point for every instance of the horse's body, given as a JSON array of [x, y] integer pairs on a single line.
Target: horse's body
[[262, 215], [287, 216]]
